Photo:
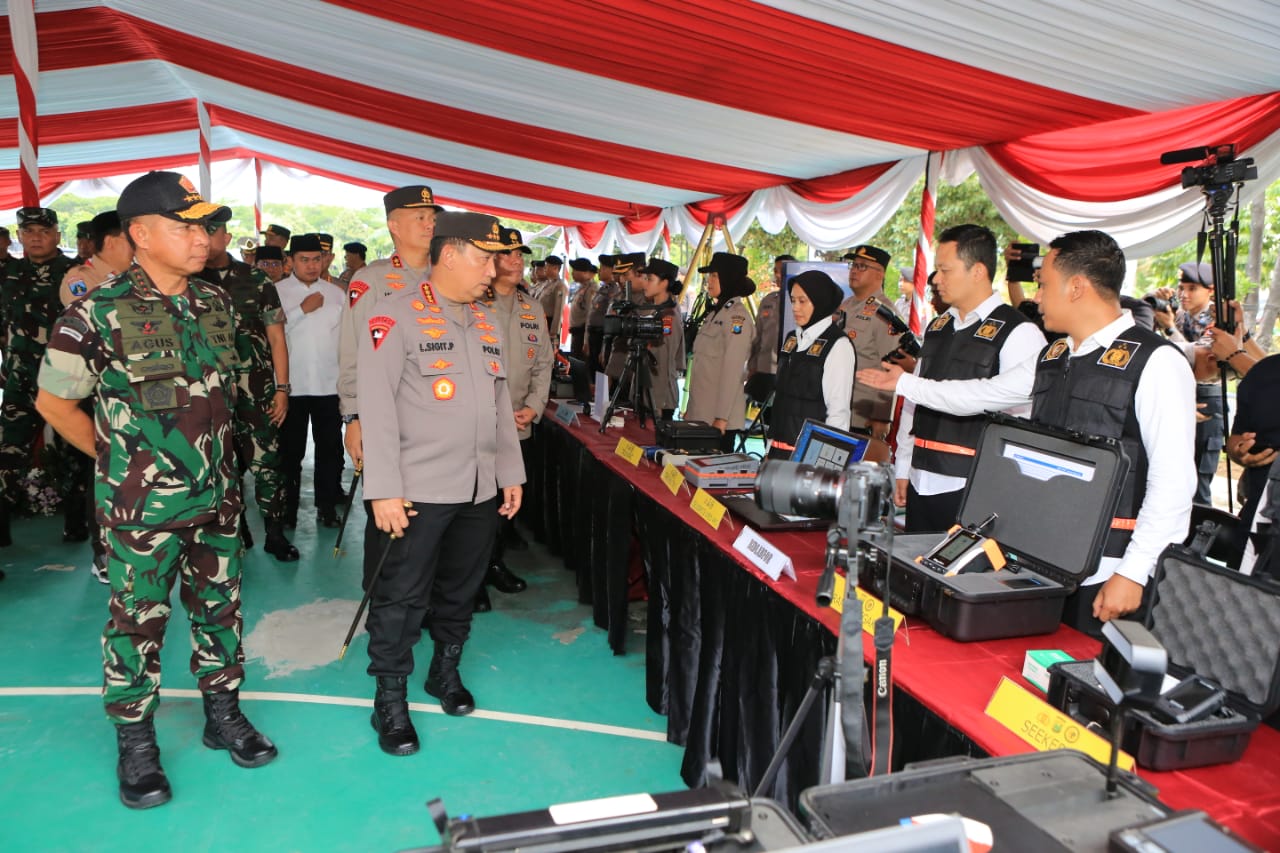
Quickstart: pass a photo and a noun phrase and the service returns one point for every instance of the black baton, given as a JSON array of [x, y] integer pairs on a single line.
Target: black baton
[[368, 593], [346, 513]]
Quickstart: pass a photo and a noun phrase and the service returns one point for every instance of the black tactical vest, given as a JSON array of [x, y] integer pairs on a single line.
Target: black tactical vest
[[1094, 394], [798, 394], [945, 444]]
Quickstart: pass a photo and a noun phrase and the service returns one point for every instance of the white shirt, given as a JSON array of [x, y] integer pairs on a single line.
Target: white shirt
[[837, 373], [1020, 348], [1164, 404], [312, 338]]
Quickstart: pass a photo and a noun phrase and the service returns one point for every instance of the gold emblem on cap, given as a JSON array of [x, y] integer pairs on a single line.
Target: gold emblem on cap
[[426, 195]]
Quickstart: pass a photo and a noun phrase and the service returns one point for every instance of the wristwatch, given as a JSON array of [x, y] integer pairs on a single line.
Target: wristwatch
[[346, 419], [284, 386]]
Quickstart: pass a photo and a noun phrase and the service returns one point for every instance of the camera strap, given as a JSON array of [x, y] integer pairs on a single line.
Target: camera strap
[[882, 699]]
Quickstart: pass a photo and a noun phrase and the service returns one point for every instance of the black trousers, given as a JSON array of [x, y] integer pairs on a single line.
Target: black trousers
[[439, 563], [932, 513], [577, 337], [530, 506], [1209, 440], [326, 431], [595, 339]]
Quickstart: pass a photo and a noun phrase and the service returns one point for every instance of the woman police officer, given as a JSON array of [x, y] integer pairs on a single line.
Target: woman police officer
[[658, 280], [721, 349]]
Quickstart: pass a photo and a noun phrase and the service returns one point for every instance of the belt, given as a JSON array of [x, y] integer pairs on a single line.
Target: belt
[[1124, 523], [943, 447], [781, 445]]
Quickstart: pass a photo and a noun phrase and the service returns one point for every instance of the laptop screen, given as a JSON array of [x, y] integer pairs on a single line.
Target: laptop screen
[[825, 446]]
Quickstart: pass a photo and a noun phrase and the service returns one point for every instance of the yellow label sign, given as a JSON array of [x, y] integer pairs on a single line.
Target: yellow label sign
[[872, 607], [708, 508], [633, 453], [672, 478], [1045, 727]]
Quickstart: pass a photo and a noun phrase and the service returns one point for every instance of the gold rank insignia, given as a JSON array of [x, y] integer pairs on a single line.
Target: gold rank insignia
[[1119, 354], [443, 388], [527, 317], [868, 307], [488, 339], [355, 290], [428, 294], [532, 353], [1055, 350], [430, 321], [485, 327], [989, 329], [378, 328], [397, 263], [939, 323], [441, 364], [434, 333], [419, 305]]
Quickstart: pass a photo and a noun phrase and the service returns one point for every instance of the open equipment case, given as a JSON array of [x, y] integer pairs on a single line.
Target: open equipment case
[[1053, 493], [1214, 622]]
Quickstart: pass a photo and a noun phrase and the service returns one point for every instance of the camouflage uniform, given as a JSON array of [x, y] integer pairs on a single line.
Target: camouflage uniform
[[163, 370], [29, 305], [257, 306]]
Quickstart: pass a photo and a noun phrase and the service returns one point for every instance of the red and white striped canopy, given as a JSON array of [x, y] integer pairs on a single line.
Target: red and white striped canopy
[[622, 118]]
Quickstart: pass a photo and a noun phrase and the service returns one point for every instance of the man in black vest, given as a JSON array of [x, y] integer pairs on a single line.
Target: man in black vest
[[978, 337], [1107, 377]]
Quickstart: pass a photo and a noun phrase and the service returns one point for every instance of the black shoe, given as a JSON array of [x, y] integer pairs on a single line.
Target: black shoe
[[142, 780], [445, 684], [503, 579], [75, 533], [5, 539], [396, 735], [278, 546], [514, 542], [482, 604], [326, 517], [227, 728], [246, 537], [74, 526]]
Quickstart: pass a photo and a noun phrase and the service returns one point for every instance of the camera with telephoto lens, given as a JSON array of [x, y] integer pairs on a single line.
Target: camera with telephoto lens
[[625, 320], [1161, 305], [793, 488]]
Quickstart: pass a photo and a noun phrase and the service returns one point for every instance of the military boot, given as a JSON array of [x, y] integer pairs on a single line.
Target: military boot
[[444, 682], [391, 721], [277, 545], [227, 728], [142, 780]]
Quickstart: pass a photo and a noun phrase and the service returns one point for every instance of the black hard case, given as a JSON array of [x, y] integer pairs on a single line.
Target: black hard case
[[1216, 623], [1053, 530], [1042, 802]]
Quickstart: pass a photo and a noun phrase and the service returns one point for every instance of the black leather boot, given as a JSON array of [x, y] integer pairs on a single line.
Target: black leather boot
[[503, 579], [277, 545], [482, 604], [444, 682], [391, 721], [227, 728], [5, 539], [246, 536], [142, 780]]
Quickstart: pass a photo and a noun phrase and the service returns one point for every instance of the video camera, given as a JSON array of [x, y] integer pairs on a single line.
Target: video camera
[[1220, 166], [625, 320]]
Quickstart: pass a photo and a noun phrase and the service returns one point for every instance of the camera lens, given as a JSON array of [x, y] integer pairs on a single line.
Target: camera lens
[[790, 488]]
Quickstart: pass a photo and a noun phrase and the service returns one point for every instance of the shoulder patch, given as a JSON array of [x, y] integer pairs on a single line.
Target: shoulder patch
[[940, 322], [78, 287], [355, 290], [668, 323], [988, 329], [818, 347], [1055, 350], [790, 345], [378, 328], [1119, 354], [73, 327]]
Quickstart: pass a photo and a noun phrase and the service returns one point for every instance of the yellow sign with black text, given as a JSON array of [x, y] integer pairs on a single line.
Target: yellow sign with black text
[[872, 607], [633, 453], [708, 508], [1044, 727], [672, 478]]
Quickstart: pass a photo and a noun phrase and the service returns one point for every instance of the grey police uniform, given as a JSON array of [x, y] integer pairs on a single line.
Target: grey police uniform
[[553, 296], [527, 349], [764, 350], [669, 358], [872, 340], [720, 354], [579, 307], [438, 431], [371, 284]]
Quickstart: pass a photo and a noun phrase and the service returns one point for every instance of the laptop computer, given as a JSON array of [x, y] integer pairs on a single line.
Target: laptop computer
[[819, 445]]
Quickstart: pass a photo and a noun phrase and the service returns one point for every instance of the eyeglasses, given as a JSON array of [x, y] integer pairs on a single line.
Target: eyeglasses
[[860, 267]]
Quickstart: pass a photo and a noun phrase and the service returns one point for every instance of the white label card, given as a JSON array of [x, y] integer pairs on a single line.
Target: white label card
[[763, 555], [601, 404], [565, 415]]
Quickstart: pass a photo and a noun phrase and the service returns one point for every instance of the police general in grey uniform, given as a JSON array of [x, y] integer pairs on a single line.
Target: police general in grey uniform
[[442, 463], [872, 337]]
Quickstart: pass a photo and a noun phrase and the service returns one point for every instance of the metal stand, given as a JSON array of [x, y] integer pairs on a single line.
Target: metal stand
[[1221, 244], [757, 423], [638, 370]]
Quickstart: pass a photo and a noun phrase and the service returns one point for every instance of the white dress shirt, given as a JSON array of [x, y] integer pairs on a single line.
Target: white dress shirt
[[312, 338], [837, 373], [1164, 404], [1020, 348]]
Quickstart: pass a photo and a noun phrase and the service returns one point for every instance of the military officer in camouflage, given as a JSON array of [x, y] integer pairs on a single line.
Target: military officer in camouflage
[[28, 307], [411, 219], [156, 348], [442, 445], [263, 400]]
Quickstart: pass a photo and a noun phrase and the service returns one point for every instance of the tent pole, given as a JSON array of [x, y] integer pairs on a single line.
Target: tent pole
[[26, 74], [206, 155]]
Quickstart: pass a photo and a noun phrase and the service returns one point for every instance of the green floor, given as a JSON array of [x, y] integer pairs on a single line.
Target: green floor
[[561, 718]]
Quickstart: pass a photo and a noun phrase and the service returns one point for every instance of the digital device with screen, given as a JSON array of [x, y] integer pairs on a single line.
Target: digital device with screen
[[965, 549], [1193, 698], [824, 446]]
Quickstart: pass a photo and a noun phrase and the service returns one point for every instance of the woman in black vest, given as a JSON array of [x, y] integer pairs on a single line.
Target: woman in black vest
[[816, 364]]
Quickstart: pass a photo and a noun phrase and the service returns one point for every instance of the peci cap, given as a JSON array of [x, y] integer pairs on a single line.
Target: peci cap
[[583, 265], [277, 230], [412, 196], [170, 195], [354, 246], [326, 242], [867, 253], [269, 253], [84, 230], [607, 260], [662, 268], [305, 243], [107, 222], [554, 260], [1197, 273], [513, 241], [479, 229], [724, 263], [536, 264], [37, 216]]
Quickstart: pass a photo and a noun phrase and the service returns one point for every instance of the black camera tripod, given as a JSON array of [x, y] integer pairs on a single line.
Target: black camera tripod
[[637, 373]]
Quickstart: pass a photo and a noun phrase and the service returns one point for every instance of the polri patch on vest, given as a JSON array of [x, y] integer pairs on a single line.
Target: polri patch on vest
[[1055, 350], [1119, 354], [790, 345], [378, 328], [989, 329], [817, 347], [939, 323]]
